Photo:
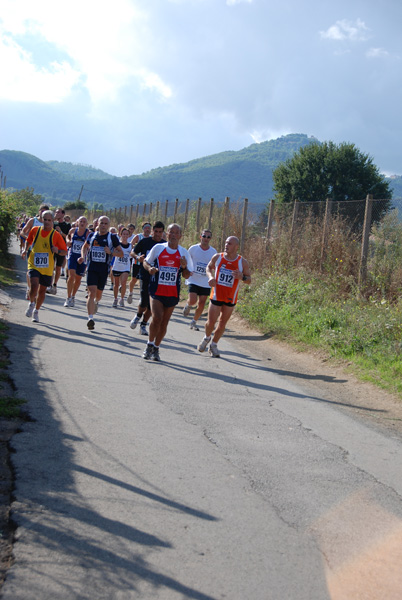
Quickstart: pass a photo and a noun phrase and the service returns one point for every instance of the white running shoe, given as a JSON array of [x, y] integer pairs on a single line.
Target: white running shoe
[[53, 290], [72, 301], [130, 298], [30, 309], [186, 310], [143, 329], [121, 302], [213, 350], [114, 303], [35, 316], [67, 303], [203, 345], [134, 322], [193, 325]]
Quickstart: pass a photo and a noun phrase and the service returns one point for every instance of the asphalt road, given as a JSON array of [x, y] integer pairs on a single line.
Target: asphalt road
[[192, 478]]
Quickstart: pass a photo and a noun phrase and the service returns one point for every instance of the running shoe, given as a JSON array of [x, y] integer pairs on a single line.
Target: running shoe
[[130, 298], [121, 302], [67, 303], [62, 273], [53, 290], [155, 355], [186, 310], [111, 287], [35, 316], [30, 309], [134, 322], [114, 303], [143, 329], [72, 301], [148, 352], [49, 290], [203, 345], [213, 350], [91, 324], [193, 325]]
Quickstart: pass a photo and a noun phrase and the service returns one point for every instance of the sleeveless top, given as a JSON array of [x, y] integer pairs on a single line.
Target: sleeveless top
[[227, 287], [77, 243], [41, 257]]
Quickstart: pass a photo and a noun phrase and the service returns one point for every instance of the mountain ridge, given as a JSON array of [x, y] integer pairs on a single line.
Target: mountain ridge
[[238, 174]]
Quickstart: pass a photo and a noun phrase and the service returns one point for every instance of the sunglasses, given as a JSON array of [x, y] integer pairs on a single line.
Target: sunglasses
[[206, 236]]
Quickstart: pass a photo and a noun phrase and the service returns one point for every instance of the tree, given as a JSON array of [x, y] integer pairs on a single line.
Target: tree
[[340, 172], [77, 205]]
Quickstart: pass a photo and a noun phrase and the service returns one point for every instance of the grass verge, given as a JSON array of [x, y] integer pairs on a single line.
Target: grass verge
[[304, 309], [10, 406]]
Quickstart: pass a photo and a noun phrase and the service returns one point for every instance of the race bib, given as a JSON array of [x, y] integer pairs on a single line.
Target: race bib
[[41, 260], [168, 275], [98, 254], [200, 268], [226, 277], [76, 247], [123, 260]]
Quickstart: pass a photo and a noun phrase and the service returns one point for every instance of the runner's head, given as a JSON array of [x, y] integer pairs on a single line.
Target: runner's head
[[82, 222], [103, 224], [124, 235], [48, 219], [173, 235], [232, 245], [157, 231], [146, 229], [205, 238]]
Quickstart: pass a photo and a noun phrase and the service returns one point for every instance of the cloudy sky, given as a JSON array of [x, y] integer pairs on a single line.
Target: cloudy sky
[[132, 85]]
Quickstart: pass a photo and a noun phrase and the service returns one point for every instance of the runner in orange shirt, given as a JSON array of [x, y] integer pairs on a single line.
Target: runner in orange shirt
[[224, 271]]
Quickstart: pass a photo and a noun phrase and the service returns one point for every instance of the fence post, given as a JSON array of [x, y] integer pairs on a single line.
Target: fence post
[[327, 217], [136, 213], [131, 213], [186, 215], [224, 220], [157, 210], [365, 239], [270, 221], [294, 222], [166, 211], [144, 212], [150, 212], [125, 214], [176, 204], [197, 223], [211, 208], [243, 226]]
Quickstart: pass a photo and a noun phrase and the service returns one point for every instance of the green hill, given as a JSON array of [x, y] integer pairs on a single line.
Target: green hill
[[239, 174]]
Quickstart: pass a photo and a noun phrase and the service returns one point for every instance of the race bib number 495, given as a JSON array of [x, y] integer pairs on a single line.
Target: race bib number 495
[[168, 275]]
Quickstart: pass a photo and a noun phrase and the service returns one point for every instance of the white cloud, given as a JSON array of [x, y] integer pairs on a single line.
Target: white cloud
[[152, 81], [233, 2], [377, 53], [23, 81], [346, 30]]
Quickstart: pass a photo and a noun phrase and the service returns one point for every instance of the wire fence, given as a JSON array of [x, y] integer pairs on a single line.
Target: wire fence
[[359, 241]]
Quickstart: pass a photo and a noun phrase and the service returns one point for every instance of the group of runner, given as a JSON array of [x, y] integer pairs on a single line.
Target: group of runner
[[154, 257]]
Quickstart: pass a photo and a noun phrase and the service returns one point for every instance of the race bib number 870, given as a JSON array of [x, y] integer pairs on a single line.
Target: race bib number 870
[[41, 260]]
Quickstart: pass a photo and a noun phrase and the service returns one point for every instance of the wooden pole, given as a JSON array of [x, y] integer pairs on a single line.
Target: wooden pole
[[324, 241], [197, 223], [150, 212], [294, 222], [166, 210], [365, 239], [243, 226], [157, 210], [131, 213], [186, 214], [224, 221], [176, 204], [136, 213], [270, 222], [211, 210]]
